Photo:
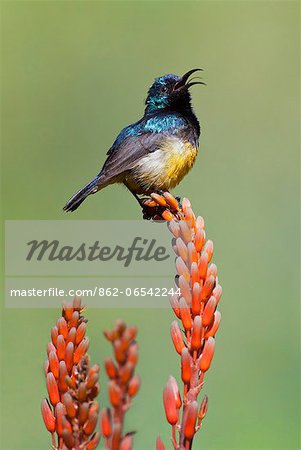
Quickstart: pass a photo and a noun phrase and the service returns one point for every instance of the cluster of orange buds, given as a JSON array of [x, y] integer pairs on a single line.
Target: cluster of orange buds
[[161, 207], [122, 387], [71, 412], [195, 307]]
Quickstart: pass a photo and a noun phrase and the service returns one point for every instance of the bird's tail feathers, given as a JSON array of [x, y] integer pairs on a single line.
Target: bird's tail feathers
[[81, 195]]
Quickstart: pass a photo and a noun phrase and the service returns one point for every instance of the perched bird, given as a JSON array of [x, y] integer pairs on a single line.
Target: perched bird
[[155, 153]]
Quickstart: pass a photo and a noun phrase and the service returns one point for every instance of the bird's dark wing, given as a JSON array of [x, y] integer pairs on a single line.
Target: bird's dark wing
[[124, 156]]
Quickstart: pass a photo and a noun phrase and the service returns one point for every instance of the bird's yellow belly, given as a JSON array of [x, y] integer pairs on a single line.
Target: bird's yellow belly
[[178, 165], [165, 167]]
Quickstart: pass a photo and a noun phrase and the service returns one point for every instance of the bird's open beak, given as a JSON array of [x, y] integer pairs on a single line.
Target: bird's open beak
[[183, 81]]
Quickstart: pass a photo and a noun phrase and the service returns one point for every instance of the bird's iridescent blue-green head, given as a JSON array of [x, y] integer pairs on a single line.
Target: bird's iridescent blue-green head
[[170, 92]]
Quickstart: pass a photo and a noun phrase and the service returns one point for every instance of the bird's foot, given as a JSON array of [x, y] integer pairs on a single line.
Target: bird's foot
[[161, 206]]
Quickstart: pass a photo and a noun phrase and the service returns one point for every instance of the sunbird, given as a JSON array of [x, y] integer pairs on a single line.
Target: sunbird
[[155, 153]]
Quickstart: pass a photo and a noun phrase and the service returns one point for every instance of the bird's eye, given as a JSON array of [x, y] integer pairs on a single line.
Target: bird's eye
[[164, 89]]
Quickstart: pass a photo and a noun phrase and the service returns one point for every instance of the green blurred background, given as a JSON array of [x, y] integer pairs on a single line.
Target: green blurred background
[[73, 74]]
